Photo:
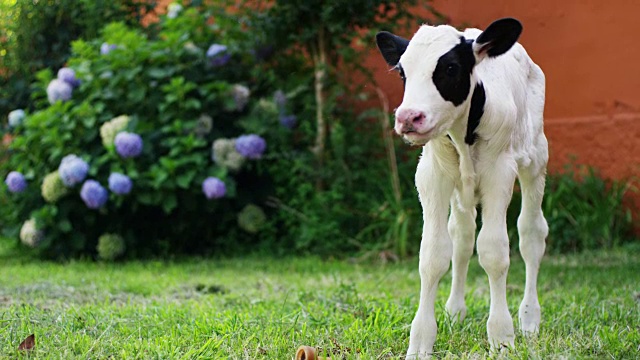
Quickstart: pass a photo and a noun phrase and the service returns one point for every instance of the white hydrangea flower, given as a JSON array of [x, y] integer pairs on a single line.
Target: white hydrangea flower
[[192, 48], [224, 153], [204, 125], [53, 188], [16, 117], [111, 128], [173, 10], [251, 218], [110, 246], [30, 234], [241, 96]]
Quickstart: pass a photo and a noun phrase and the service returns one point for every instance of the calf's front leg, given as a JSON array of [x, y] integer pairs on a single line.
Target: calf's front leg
[[496, 187], [435, 190]]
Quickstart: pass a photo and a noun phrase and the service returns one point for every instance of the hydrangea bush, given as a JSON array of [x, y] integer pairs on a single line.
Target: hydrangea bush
[[147, 145]]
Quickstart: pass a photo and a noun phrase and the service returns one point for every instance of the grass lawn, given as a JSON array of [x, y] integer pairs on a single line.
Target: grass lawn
[[265, 308]]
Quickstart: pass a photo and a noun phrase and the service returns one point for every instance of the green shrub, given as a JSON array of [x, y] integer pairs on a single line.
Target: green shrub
[[331, 200], [37, 34], [148, 110]]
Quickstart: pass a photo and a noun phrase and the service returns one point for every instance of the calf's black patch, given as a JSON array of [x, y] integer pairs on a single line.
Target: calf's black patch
[[475, 113], [452, 73]]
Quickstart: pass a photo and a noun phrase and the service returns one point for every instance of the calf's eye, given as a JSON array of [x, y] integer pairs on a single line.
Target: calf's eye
[[453, 69]]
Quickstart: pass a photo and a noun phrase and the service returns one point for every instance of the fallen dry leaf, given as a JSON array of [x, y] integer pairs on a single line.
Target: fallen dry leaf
[[28, 343]]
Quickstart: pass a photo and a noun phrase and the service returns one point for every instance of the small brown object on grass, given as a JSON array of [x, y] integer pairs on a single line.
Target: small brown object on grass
[[308, 353], [28, 343]]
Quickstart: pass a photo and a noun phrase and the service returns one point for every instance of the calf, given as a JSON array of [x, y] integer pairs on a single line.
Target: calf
[[475, 101]]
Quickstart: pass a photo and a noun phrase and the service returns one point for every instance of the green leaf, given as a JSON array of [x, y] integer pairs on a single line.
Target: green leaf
[[185, 179], [89, 121], [192, 104], [231, 188], [149, 198], [65, 226], [159, 73], [168, 164], [170, 202], [137, 94]]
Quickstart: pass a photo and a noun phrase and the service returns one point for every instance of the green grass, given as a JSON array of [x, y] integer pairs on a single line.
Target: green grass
[[265, 308]]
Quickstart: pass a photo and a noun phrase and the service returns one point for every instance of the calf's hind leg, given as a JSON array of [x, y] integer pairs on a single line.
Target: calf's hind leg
[[462, 229], [532, 230]]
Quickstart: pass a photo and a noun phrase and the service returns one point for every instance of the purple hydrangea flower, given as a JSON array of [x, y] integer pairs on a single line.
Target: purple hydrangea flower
[[128, 145], [288, 121], [213, 188], [251, 146], [16, 182], [93, 194], [58, 90], [73, 170], [106, 48], [119, 183], [218, 55], [16, 117], [68, 75]]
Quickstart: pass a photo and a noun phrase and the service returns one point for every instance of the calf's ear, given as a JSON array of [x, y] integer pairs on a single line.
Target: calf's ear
[[498, 38], [391, 46]]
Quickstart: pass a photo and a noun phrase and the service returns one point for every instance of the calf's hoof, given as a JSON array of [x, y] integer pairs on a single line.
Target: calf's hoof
[[500, 332], [529, 316], [457, 312], [418, 355]]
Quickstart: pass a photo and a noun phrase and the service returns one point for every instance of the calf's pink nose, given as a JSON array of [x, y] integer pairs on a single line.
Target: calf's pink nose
[[409, 118]]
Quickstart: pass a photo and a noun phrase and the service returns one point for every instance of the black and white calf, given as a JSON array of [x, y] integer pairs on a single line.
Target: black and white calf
[[475, 101]]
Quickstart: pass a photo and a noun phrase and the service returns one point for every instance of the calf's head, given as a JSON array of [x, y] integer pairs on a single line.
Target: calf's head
[[436, 67]]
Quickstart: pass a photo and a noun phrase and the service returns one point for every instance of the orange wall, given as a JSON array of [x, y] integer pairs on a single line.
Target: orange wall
[[590, 54]]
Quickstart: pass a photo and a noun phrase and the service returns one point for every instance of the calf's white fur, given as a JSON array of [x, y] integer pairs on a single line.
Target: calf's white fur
[[463, 164]]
